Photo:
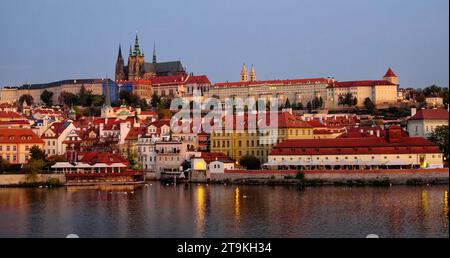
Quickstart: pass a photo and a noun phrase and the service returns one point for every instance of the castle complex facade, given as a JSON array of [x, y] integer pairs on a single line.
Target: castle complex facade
[[138, 69]]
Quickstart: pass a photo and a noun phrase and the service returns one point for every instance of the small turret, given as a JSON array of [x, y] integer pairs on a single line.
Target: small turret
[[390, 77], [252, 74], [244, 75]]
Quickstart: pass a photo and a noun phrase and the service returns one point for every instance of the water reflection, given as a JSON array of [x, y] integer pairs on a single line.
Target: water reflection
[[200, 214], [445, 210], [222, 211]]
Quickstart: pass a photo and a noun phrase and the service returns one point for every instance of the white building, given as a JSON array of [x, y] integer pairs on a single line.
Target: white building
[[425, 121], [54, 137]]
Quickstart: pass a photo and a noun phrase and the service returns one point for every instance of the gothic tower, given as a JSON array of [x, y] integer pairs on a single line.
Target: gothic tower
[[120, 72], [135, 61], [244, 75], [252, 74]]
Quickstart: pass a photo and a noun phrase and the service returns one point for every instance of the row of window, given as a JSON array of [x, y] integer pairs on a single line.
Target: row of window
[[14, 148], [337, 158]]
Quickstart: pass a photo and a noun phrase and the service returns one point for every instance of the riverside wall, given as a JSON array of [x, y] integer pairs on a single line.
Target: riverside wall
[[393, 176], [20, 179]]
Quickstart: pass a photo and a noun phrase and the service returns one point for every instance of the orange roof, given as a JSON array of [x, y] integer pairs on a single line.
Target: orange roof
[[19, 135]]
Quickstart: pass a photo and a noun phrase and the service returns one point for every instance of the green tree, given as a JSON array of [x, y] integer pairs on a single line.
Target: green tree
[[37, 154], [250, 162], [68, 99], [309, 106], [4, 165], [132, 160], [288, 103], [155, 100], [440, 137], [33, 168], [47, 98], [26, 98], [368, 104]]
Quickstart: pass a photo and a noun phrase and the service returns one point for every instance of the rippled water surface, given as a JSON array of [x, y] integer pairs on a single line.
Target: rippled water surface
[[224, 211]]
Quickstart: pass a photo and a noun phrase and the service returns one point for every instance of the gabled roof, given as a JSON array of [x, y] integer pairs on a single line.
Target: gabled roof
[[430, 114], [160, 122], [135, 132]]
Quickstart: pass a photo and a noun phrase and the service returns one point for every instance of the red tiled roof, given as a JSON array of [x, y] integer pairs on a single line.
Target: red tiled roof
[[160, 122], [367, 83], [280, 82], [135, 132], [364, 145], [285, 120], [102, 157], [10, 114], [430, 114], [19, 135], [198, 79], [316, 123], [175, 79], [390, 73], [148, 113], [15, 122], [213, 156]]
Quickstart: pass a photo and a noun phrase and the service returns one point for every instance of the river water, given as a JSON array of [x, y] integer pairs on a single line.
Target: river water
[[157, 210]]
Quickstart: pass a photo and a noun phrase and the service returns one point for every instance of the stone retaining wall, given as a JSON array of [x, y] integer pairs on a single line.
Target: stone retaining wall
[[394, 176], [17, 179]]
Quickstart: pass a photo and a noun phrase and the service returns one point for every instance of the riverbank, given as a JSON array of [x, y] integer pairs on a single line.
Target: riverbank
[[40, 180], [267, 177], [343, 177]]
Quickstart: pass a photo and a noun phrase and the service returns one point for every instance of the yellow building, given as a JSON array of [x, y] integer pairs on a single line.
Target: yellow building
[[236, 144], [380, 92], [15, 144]]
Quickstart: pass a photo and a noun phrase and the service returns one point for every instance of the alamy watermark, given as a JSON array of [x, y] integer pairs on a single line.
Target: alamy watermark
[[239, 115]]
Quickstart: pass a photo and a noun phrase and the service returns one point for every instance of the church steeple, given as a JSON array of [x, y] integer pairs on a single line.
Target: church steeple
[[120, 72], [137, 51], [244, 75], [154, 53], [252, 74]]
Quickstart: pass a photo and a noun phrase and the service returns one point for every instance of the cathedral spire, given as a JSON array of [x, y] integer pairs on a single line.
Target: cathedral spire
[[154, 53], [120, 52], [120, 72], [244, 75], [136, 45]]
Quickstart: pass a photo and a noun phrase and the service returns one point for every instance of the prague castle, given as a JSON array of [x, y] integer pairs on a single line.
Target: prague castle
[[137, 68]]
